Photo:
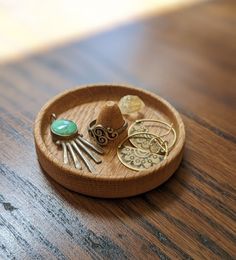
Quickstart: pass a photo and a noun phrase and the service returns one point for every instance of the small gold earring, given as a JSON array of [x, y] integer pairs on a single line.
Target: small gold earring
[[140, 159], [144, 140]]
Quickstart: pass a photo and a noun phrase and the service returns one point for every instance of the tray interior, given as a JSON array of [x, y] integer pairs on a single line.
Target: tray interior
[[82, 106]]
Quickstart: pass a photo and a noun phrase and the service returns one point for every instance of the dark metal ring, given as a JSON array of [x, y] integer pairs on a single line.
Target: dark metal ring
[[103, 135]]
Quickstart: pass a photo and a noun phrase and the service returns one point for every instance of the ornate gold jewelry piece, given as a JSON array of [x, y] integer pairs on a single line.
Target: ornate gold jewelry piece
[[139, 159], [102, 135], [146, 139], [65, 134]]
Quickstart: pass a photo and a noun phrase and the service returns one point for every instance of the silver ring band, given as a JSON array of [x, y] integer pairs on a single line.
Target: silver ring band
[[103, 135]]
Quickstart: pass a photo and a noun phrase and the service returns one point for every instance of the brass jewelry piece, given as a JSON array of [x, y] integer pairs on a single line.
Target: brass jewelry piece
[[102, 135], [145, 140], [139, 159], [65, 134]]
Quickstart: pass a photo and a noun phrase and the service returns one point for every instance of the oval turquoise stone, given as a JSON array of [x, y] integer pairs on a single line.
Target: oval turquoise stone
[[64, 127]]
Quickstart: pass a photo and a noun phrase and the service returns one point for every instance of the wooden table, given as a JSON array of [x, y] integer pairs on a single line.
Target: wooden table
[[187, 57]]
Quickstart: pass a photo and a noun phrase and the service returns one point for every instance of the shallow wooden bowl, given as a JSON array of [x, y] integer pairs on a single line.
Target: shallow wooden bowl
[[112, 179]]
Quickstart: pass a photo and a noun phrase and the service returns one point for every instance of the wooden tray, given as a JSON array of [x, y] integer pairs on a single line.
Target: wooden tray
[[112, 179]]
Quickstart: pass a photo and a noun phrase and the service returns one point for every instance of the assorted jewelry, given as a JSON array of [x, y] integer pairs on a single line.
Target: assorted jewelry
[[148, 143], [148, 148], [65, 134]]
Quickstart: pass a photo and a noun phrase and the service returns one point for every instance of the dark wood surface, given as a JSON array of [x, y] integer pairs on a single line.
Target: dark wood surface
[[187, 57]]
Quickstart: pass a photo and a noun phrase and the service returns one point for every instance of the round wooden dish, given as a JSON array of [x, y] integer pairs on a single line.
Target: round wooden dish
[[112, 179]]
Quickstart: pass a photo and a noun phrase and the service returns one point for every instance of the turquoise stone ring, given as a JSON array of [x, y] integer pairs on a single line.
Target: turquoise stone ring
[[64, 128]]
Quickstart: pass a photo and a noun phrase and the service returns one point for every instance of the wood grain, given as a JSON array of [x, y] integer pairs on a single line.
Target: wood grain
[[188, 58]]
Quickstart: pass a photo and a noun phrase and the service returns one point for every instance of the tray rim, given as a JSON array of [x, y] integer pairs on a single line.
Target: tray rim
[[70, 170]]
